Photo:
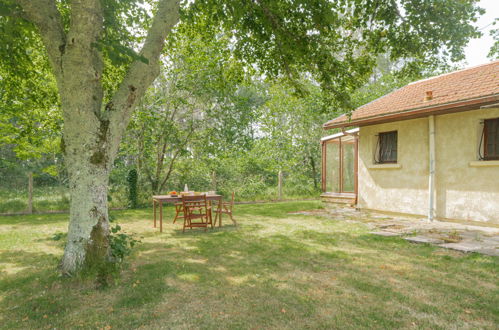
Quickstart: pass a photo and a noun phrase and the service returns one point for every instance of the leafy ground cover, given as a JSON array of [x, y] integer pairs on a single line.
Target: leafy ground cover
[[275, 270]]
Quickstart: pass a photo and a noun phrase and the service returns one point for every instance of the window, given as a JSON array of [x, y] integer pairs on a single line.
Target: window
[[491, 139], [387, 148]]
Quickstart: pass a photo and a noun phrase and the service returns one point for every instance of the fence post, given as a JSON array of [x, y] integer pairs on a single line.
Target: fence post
[[280, 185], [30, 192]]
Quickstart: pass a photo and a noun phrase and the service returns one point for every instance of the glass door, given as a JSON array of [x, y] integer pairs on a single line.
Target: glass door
[[348, 167], [339, 165]]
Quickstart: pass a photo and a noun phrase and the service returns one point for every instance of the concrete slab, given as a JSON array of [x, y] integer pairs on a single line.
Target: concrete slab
[[492, 240], [463, 246], [423, 239], [384, 233], [489, 252], [457, 236]]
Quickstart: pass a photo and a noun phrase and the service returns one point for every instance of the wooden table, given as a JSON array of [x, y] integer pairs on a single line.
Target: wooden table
[[160, 199]]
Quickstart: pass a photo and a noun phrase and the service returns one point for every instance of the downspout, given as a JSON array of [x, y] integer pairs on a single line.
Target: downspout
[[323, 166], [356, 170], [431, 179]]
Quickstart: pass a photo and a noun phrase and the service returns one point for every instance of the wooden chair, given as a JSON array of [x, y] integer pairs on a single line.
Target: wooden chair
[[226, 208], [197, 212], [179, 209]]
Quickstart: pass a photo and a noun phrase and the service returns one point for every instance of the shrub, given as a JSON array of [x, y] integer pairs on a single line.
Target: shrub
[[132, 188]]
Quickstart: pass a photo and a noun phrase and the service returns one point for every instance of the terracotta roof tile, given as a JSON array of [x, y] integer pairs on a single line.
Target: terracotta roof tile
[[462, 85]]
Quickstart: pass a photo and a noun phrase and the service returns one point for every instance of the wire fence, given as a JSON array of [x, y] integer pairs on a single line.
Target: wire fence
[[40, 193], [32, 193]]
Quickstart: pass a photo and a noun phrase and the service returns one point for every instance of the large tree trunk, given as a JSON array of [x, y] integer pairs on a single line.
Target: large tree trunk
[[85, 139], [88, 160], [88, 225]]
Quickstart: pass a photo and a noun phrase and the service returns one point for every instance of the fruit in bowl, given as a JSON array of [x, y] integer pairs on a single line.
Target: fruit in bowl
[[173, 193]]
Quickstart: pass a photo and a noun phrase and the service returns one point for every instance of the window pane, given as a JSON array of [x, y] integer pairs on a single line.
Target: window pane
[[393, 145], [332, 167], [492, 138], [348, 167], [388, 147]]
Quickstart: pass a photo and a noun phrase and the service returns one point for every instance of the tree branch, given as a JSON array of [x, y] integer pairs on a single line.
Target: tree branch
[[174, 158], [141, 75], [161, 157], [277, 26], [46, 17]]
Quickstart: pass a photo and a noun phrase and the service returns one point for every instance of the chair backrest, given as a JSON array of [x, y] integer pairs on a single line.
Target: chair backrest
[[194, 204], [232, 200]]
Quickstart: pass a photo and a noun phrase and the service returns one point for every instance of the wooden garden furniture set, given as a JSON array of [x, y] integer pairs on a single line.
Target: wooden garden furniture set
[[195, 210]]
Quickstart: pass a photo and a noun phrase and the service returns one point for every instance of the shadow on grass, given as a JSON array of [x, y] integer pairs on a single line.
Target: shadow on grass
[[215, 262], [34, 219], [303, 279], [274, 210], [18, 266], [30, 286]]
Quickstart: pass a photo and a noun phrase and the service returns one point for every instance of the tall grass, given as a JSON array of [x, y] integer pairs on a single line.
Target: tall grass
[[56, 198]]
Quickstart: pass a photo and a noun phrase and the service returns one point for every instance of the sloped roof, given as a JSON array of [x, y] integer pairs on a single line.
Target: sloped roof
[[456, 91]]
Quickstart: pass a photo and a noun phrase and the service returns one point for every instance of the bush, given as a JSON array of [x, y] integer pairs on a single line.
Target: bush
[[132, 188], [121, 244]]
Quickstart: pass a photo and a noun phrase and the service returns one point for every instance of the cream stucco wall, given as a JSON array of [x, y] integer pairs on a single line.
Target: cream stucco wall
[[463, 191]]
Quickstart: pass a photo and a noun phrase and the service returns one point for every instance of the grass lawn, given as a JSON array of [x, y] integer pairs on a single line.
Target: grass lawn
[[275, 270]]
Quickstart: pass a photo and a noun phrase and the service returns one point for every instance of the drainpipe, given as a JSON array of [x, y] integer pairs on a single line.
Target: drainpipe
[[431, 179]]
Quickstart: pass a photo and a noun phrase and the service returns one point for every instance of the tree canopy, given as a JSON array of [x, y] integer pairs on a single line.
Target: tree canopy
[[337, 42]]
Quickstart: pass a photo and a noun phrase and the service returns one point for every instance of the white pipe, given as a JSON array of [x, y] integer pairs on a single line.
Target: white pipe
[[431, 179], [348, 133]]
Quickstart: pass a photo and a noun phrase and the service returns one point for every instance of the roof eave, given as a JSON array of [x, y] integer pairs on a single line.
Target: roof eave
[[463, 105]]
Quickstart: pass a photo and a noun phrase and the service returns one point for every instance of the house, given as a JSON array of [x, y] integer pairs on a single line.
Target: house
[[430, 148]]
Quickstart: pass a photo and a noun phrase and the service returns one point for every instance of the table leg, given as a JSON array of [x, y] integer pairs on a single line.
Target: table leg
[[160, 216], [154, 210], [216, 215], [220, 213]]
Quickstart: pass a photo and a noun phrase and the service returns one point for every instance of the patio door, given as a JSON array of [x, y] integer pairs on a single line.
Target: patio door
[[347, 179], [339, 166]]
